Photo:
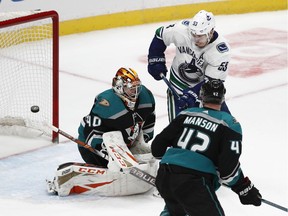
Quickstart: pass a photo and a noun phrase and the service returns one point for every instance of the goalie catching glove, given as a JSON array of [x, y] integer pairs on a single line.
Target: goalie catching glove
[[248, 194]]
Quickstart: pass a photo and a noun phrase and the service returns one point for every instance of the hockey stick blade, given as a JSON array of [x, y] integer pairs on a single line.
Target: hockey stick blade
[[144, 176], [274, 205]]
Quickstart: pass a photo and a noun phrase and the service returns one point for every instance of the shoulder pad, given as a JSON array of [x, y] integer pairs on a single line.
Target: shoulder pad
[[233, 124], [222, 47], [185, 22], [146, 96], [107, 104]]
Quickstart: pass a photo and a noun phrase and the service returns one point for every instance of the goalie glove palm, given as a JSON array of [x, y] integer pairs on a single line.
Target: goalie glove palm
[[248, 194]]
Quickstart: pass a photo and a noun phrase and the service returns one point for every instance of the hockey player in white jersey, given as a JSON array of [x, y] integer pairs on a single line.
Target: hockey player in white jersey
[[201, 53]]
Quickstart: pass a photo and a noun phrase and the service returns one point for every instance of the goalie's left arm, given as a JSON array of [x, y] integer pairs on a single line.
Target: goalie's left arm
[[148, 126]]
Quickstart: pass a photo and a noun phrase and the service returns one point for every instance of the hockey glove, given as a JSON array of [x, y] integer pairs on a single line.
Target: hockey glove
[[156, 66], [248, 194], [188, 99], [146, 137]]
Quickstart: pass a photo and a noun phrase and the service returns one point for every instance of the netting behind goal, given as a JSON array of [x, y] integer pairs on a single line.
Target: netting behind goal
[[29, 72]]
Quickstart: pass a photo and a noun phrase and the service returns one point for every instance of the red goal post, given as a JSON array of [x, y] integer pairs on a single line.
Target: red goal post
[[29, 66]]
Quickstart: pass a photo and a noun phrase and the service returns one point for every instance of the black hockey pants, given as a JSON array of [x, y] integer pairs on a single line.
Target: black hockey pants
[[91, 158], [186, 192]]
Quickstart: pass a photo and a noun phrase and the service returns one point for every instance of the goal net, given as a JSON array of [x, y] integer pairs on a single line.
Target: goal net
[[29, 67]]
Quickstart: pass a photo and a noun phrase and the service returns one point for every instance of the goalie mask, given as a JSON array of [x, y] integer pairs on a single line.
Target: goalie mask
[[213, 91], [127, 85], [202, 24]]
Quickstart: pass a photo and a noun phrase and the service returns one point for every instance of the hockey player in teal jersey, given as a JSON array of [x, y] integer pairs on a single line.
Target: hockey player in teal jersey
[[122, 119], [127, 107], [199, 151]]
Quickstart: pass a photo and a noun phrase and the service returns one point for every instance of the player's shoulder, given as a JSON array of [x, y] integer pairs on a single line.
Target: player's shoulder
[[146, 96], [182, 25], [179, 27], [107, 104], [218, 51], [228, 120], [220, 117], [220, 45], [108, 95]]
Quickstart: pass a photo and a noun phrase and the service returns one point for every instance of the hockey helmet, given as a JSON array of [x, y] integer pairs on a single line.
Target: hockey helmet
[[127, 84], [213, 91], [202, 23]]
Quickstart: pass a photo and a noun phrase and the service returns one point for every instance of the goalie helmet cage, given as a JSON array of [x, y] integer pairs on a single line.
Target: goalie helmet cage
[[29, 67]]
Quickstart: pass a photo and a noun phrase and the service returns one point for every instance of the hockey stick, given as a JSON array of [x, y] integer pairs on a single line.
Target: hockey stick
[[144, 176], [169, 86], [133, 170], [174, 91], [79, 142], [123, 157], [138, 173], [274, 205]]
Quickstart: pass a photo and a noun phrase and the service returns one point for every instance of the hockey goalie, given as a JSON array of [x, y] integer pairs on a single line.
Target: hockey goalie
[[116, 133], [115, 180]]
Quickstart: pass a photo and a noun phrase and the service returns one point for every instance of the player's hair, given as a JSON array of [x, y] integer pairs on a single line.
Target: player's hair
[[213, 91], [126, 83]]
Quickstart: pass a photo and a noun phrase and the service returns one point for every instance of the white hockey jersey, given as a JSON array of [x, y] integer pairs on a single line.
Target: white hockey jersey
[[191, 63]]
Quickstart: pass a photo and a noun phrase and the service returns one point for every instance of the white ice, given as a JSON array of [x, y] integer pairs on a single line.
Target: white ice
[[88, 62]]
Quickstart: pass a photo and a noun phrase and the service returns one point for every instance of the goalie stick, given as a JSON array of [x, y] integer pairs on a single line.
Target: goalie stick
[[119, 152], [128, 163], [79, 142], [138, 173], [144, 176]]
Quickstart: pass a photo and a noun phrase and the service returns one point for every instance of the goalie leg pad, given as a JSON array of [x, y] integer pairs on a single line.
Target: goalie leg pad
[[85, 179]]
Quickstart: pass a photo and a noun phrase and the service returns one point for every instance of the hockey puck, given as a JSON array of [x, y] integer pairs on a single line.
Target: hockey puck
[[35, 109]]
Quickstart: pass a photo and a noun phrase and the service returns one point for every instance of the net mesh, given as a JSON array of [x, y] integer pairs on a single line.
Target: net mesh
[[26, 51]]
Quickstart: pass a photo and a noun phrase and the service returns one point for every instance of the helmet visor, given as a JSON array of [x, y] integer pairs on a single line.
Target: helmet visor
[[132, 89]]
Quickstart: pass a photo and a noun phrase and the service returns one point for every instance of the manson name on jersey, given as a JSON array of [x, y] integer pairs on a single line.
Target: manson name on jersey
[[201, 122]]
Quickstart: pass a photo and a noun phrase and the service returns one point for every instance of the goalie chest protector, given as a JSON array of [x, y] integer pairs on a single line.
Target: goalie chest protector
[[116, 116]]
